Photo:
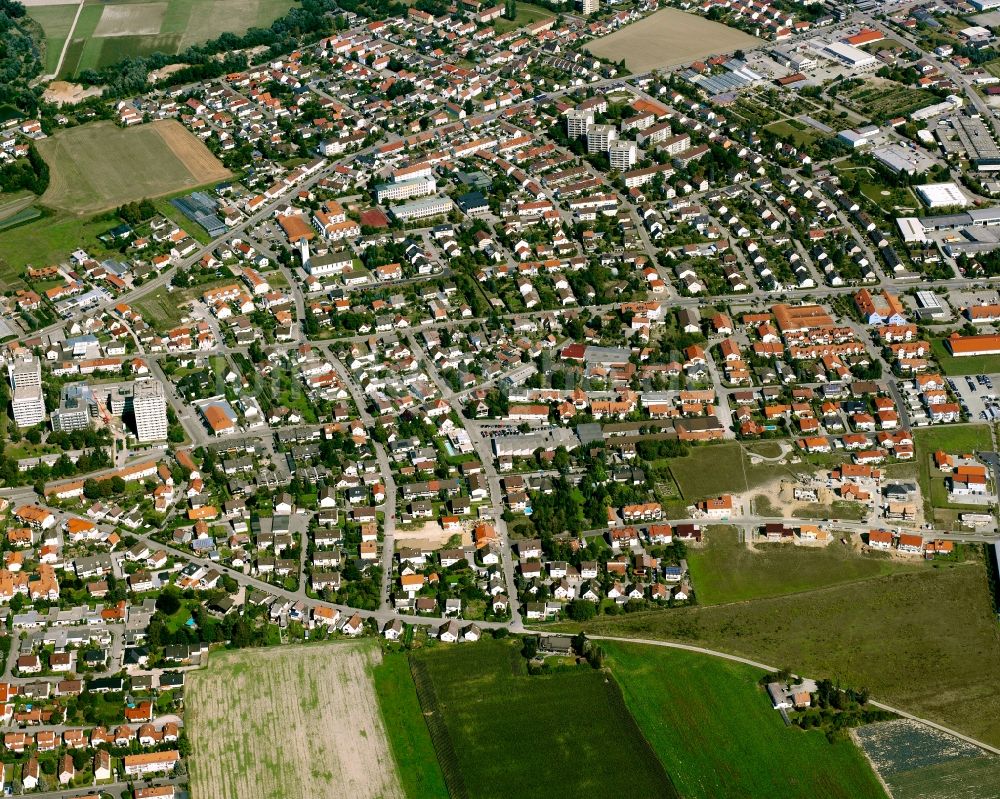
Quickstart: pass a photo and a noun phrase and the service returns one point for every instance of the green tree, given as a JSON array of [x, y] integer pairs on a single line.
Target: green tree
[[581, 610]]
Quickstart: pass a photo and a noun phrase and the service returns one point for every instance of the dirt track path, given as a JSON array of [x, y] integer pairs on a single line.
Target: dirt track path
[[66, 44]]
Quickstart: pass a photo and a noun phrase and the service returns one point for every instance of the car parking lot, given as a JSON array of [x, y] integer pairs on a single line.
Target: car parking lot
[[979, 396]]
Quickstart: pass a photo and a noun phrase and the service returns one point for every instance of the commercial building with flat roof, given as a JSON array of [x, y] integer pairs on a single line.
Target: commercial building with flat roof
[[846, 54], [942, 195]]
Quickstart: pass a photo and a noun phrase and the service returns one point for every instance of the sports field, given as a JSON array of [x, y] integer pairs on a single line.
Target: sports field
[[501, 733], [726, 570], [296, 722], [938, 621], [667, 38], [100, 166], [715, 732], [108, 32]]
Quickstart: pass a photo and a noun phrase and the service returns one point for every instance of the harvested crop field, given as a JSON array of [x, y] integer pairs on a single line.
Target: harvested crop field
[[290, 722], [667, 38], [100, 166]]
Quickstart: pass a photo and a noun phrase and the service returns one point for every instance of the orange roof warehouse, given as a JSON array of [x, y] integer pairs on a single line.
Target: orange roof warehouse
[[963, 346]]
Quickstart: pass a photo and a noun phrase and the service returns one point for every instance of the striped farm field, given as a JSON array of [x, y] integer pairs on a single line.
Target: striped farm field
[[296, 722]]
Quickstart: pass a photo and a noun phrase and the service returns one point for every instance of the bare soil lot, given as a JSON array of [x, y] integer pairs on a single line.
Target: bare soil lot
[[60, 92], [670, 37], [100, 166], [293, 722], [430, 534]]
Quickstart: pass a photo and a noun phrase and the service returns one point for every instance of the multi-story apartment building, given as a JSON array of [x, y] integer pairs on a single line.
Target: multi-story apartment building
[[150, 408]]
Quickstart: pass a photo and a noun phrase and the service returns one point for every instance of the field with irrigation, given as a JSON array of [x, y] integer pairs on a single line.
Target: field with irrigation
[[713, 728], [726, 570], [294, 721], [499, 732], [938, 621], [918, 762]]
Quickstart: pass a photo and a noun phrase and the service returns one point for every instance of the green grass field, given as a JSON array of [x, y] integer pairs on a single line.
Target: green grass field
[[160, 308], [500, 733], [844, 510], [715, 731], [526, 14], [165, 309], [938, 622], [82, 39], [407, 730], [798, 136], [727, 571], [56, 22], [970, 365], [47, 241], [715, 469], [168, 26]]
